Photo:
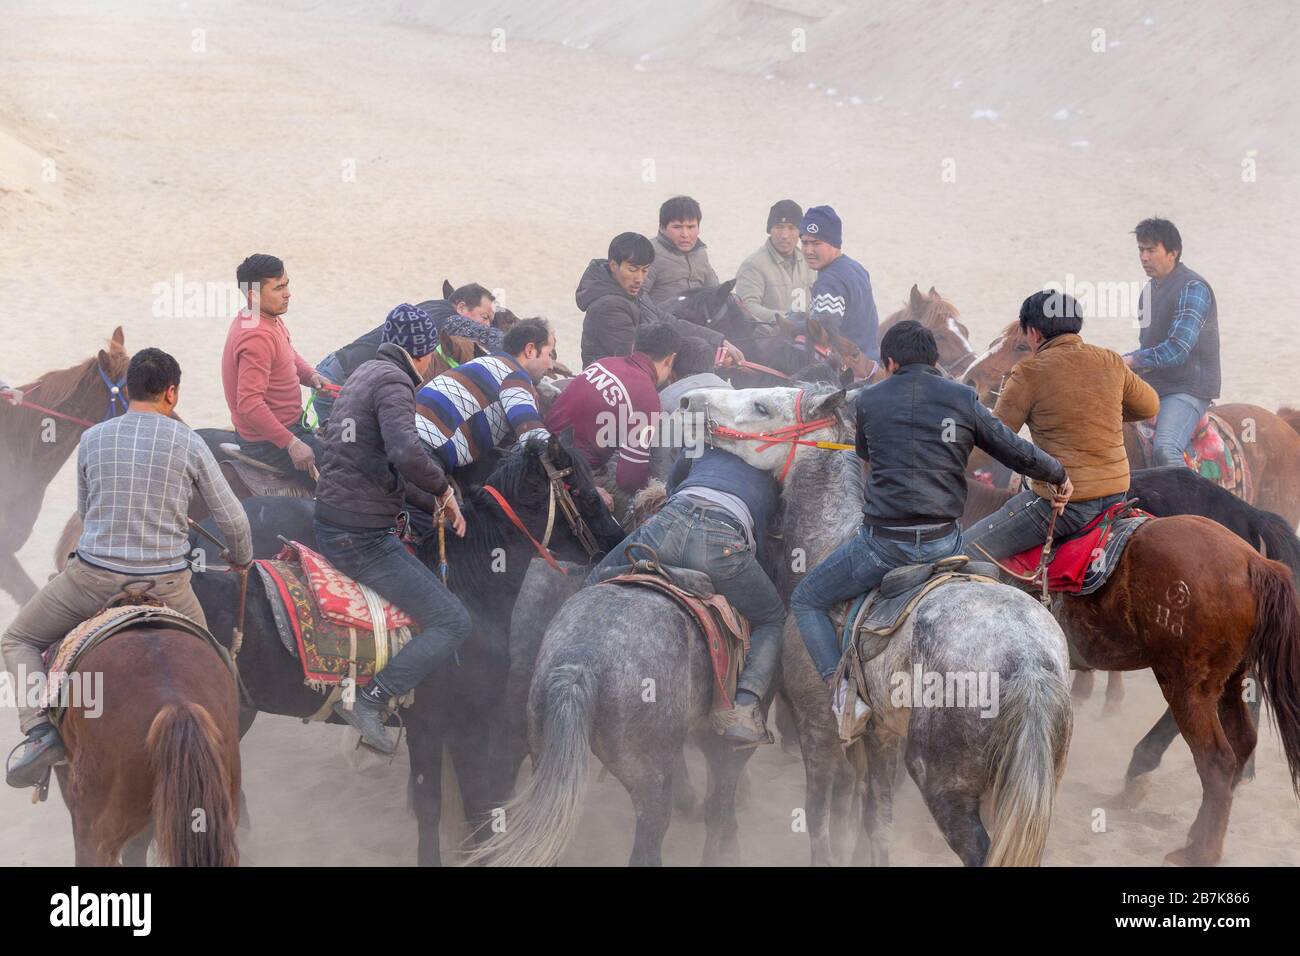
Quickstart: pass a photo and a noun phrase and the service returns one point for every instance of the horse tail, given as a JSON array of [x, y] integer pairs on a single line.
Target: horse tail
[[1275, 654], [1291, 416], [191, 775], [1027, 751], [540, 821], [1279, 540]]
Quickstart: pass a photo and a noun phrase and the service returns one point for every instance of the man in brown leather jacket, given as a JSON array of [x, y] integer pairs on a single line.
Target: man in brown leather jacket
[[1075, 398]]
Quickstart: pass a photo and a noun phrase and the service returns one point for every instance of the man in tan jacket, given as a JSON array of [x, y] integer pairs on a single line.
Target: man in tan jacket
[[1075, 398], [777, 280]]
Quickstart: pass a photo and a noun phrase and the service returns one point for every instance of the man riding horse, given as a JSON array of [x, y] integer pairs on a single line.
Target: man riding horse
[[1075, 398], [261, 373], [916, 430], [136, 477], [1179, 354], [776, 280], [373, 465], [842, 300]]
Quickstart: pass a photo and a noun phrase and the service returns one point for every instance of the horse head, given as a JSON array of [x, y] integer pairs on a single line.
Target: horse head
[[770, 427], [989, 371], [713, 307], [941, 317]]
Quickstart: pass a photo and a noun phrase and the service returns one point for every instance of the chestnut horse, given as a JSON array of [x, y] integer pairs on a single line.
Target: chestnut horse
[[942, 318], [1201, 608], [38, 436], [1271, 441], [164, 752]]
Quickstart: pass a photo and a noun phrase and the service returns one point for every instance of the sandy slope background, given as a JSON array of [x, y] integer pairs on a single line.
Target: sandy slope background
[[380, 146]]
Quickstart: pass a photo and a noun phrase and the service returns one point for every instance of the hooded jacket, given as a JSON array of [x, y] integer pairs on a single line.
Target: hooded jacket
[[612, 316]]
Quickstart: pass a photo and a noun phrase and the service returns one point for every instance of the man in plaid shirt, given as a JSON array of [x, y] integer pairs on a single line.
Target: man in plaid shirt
[[136, 477]]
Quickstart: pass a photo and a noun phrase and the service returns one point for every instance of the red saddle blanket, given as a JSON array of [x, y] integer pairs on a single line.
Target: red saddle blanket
[[1082, 563], [338, 597]]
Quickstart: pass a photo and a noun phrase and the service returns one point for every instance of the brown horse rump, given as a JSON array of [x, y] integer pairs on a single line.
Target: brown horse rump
[[61, 658], [330, 652], [726, 632], [1215, 452]]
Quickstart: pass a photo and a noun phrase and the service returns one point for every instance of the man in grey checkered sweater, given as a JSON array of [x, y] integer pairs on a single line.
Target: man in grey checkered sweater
[[136, 477]]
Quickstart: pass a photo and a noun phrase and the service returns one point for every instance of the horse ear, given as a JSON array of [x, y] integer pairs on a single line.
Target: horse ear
[[817, 333], [915, 299], [933, 291], [117, 338], [447, 289], [104, 360], [826, 404]]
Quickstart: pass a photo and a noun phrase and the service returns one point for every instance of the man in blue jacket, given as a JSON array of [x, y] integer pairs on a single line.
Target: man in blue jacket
[[841, 296]]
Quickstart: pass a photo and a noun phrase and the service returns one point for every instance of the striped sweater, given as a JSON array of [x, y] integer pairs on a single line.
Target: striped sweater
[[463, 412]]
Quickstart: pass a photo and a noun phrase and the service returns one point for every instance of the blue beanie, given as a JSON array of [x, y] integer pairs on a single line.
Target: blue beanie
[[822, 223], [413, 329]]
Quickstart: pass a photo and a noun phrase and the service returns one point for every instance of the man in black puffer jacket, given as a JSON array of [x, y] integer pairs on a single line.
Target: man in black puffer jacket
[[373, 464], [916, 429]]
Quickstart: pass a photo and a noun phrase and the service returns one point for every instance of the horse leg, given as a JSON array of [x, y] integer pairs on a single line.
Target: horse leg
[[246, 717], [785, 726], [136, 851], [14, 580], [726, 767], [651, 789], [873, 845], [1081, 690], [425, 746], [1114, 693], [686, 800], [1146, 757], [1238, 724], [1253, 705], [1217, 766]]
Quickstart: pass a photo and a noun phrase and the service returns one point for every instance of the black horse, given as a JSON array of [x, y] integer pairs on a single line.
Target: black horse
[[459, 705]]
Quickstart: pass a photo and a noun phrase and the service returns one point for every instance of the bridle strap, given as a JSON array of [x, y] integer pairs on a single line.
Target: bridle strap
[[792, 434], [546, 555], [569, 508]]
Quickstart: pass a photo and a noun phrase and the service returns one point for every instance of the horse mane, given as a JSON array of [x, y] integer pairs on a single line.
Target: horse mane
[[61, 384]]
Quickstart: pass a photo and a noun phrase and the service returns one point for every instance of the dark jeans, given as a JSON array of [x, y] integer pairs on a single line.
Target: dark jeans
[[1179, 416], [704, 537], [278, 458], [376, 558], [854, 568], [1021, 524]]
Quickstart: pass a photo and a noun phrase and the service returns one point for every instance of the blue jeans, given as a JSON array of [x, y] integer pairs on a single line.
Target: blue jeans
[[688, 533], [854, 568], [1022, 522], [1179, 415], [376, 558], [332, 371]]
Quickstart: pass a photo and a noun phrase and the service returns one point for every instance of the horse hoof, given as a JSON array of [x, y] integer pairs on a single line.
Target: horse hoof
[[1112, 708], [1190, 856], [1135, 791]]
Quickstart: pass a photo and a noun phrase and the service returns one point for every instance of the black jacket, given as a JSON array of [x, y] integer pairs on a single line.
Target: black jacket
[[373, 462], [612, 316], [917, 429]]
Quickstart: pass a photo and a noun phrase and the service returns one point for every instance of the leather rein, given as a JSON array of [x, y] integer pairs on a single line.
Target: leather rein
[[116, 397], [791, 434]]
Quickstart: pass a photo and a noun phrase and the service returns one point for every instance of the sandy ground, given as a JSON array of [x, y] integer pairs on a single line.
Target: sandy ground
[[378, 154]]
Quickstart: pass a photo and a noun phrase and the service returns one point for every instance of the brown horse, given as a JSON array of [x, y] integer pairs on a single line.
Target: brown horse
[[942, 318], [1271, 441], [164, 752], [37, 437], [1200, 625]]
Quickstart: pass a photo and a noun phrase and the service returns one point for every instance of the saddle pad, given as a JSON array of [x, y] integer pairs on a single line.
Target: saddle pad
[[726, 633], [329, 652], [875, 614], [341, 599], [261, 482], [1085, 560], [61, 658]]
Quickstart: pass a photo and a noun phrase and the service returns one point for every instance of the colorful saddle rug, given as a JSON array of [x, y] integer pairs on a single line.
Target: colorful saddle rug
[[1083, 563], [1215, 452], [61, 658], [330, 652], [726, 632], [341, 599]]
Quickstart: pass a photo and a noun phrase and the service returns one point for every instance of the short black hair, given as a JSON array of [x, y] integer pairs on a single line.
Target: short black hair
[[258, 268], [679, 209], [1162, 231], [151, 372], [909, 343], [1051, 313], [658, 340], [694, 357], [471, 295], [524, 333], [631, 247]]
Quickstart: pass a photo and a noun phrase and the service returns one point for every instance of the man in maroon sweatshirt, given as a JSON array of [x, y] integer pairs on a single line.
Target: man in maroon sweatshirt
[[261, 373], [613, 406]]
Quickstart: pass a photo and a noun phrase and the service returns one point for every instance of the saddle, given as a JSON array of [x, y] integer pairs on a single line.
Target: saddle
[[259, 478], [1082, 563], [340, 630], [61, 658], [726, 632], [1215, 453]]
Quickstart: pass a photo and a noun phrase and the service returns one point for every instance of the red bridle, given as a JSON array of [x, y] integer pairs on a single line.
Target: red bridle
[[791, 434]]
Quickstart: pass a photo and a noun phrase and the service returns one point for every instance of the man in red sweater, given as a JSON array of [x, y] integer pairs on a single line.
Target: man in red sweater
[[613, 406], [261, 373]]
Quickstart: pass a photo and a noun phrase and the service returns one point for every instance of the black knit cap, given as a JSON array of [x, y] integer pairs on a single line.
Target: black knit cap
[[787, 210]]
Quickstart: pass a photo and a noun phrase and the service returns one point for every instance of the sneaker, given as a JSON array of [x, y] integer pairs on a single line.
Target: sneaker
[[42, 749], [743, 724], [367, 717], [851, 725]]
